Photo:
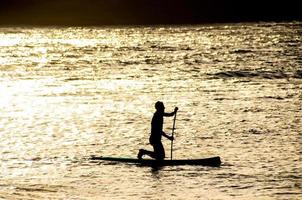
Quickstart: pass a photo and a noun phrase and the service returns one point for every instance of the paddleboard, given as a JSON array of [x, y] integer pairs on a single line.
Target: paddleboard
[[213, 161]]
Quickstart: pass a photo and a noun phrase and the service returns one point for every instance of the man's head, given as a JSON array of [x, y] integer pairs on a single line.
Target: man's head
[[159, 106]]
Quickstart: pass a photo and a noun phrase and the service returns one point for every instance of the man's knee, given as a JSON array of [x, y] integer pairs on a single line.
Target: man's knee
[[160, 156]]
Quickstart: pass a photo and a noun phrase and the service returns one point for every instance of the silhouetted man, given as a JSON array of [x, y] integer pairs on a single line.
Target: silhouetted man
[[157, 133]]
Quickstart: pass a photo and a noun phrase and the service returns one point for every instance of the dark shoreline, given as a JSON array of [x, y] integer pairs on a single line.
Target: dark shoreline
[[144, 12]]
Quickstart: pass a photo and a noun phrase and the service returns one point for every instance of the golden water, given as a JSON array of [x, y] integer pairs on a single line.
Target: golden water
[[69, 93]]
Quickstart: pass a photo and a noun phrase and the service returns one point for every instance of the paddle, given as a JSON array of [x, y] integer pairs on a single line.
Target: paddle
[[173, 132]]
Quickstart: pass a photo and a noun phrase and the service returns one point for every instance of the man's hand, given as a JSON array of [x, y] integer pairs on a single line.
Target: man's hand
[[175, 109]]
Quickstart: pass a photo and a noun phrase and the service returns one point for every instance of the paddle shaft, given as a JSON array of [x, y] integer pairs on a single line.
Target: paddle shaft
[[173, 134]]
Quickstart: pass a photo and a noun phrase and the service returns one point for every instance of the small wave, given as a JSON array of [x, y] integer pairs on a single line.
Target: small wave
[[241, 51], [274, 97], [255, 131], [129, 62], [72, 79], [152, 61], [164, 48], [298, 74], [36, 189], [258, 74], [131, 48]]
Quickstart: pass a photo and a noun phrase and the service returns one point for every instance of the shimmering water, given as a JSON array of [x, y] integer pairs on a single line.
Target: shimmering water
[[69, 93]]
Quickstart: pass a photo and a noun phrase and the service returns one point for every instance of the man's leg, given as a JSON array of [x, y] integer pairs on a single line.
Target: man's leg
[[159, 151], [143, 152]]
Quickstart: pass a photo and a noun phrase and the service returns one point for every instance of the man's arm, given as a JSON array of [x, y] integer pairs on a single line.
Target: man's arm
[[169, 114], [167, 136], [172, 113]]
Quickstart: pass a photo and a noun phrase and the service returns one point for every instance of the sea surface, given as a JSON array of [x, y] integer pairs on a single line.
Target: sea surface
[[69, 93]]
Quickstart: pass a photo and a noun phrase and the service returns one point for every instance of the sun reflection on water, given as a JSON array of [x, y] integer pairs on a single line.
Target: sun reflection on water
[[68, 93]]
